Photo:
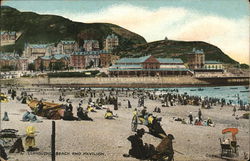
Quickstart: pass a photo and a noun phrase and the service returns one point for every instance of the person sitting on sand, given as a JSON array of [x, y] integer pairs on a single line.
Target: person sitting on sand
[[5, 117], [157, 109], [68, 115], [210, 122], [197, 122], [69, 107], [99, 106], [155, 127], [83, 115], [90, 108], [30, 116], [61, 98], [138, 149], [109, 114]]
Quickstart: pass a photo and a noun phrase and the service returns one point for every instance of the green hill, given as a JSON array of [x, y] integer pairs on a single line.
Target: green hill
[[37, 28], [177, 49]]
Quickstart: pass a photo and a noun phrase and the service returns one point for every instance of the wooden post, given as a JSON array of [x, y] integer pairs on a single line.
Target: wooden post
[[53, 140]]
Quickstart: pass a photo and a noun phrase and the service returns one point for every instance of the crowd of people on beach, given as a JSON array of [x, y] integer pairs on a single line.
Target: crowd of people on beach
[[100, 99]]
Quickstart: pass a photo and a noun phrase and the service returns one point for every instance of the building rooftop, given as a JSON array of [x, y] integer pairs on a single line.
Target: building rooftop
[[142, 59], [39, 45], [126, 66], [142, 69], [56, 56], [9, 57], [212, 62], [8, 32], [112, 36], [98, 52], [196, 51], [8, 54], [68, 41], [133, 60], [170, 60], [92, 41]]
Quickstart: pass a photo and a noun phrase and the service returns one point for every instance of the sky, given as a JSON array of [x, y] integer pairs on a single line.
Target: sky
[[223, 23]]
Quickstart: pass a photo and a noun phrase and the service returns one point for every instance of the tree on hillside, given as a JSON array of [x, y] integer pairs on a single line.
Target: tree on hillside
[[41, 66], [58, 66], [50, 66], [244, 66], [7, 68], [91, 63], [31, 66]]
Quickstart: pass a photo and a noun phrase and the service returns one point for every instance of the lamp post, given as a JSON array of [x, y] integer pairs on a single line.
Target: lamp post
[[53, 140]]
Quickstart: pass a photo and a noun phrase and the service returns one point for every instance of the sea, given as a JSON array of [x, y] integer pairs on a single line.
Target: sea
[[233, 94], [229, 93]]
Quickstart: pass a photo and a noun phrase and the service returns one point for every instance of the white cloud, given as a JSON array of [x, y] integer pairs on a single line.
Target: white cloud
[[230, 35]]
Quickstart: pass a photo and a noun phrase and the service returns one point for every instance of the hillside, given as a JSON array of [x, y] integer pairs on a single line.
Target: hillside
[[177, 49], [37, 28]]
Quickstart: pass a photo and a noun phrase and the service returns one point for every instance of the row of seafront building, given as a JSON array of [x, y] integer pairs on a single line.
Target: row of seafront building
[[151, 66], [70, 54], [68, 47], [67, 52], [148, 66], [143, 66]]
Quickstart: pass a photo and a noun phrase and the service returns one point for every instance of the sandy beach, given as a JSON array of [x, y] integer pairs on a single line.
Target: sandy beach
[[107, 139]]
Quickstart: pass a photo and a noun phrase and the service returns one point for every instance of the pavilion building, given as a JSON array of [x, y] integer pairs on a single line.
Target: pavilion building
[[148, 66]]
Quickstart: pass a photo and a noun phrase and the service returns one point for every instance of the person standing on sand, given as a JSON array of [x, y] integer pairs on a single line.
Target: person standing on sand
[[13, 94], [30, 138], [129, 104], [190, 117], [200, 115], [234, 110]]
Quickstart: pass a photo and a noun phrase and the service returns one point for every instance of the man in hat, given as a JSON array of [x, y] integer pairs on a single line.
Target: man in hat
[[40, 107], [137, 148], [234, 110], [200, 115], [144, 111], [190, 117]]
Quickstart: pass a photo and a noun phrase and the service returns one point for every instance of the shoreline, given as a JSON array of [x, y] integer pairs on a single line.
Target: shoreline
[[132, 85], [128, 82]]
